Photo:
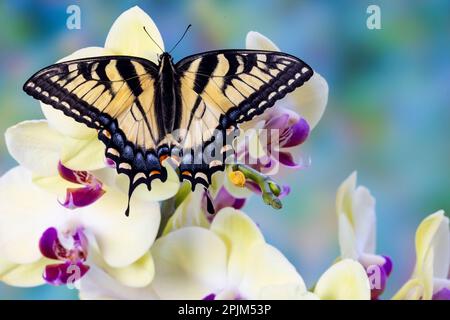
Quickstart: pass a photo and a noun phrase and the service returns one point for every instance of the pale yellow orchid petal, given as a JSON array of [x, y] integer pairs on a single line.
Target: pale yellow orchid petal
[[355, 207], [54, 184], [240, 234], [345, 280], [127, 35], [25, 275], [136, 275], [21, 226], [365, 219], [310, 100], [266, 269], [35, 146], [190, 263], [432, 258], [347, 239], [188, 213], [121, 240], [257, 41], [411, 290], [286, 292], [99, 285], [86, 154]]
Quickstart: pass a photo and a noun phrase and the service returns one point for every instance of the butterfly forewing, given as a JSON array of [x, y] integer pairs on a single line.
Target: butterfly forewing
[[224, 88], [115, 95]]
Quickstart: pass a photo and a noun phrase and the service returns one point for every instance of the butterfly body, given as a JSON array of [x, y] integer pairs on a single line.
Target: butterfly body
[[146, 112]]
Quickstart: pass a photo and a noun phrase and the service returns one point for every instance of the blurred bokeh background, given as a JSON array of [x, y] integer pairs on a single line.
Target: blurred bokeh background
[[387, 117]]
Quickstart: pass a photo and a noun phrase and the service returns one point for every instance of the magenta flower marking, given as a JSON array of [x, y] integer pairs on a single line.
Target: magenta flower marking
[[443, 294], [72, 257], [223, 199], [91, 190], [384, 270], [283, 131]]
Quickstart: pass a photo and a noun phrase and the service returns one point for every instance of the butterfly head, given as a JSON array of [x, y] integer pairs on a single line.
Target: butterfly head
[[165, 57]]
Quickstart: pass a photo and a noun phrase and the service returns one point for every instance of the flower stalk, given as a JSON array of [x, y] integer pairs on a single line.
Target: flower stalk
[[270, 189]]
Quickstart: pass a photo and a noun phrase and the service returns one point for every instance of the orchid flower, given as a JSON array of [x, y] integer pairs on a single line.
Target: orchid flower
[[355, 207], [61, 139], [431, 276], [231, 260], [260, 146], [62, 160], [40, 236]]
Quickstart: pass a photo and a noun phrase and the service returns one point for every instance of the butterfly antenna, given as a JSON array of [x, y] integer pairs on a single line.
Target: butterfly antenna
[[153, 40], [176, 44]]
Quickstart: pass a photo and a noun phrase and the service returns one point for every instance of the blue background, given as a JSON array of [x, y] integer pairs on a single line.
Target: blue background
[[387, 116]]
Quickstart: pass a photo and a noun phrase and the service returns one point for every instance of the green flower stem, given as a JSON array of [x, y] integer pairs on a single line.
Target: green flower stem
[[270, 189]]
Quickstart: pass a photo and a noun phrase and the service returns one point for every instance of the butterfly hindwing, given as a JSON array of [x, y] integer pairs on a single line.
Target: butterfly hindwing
[[221, 89]]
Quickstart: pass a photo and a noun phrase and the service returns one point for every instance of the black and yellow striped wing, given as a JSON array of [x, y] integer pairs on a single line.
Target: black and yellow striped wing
[[114, 95], [219, 90]]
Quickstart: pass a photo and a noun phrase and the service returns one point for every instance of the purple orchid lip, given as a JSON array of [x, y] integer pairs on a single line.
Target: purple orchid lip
[[443, 294], [72, 259], [222, 200], [210, 296], [82, 197], [63, 273], [378, 273], [91, 190], [295, 134]]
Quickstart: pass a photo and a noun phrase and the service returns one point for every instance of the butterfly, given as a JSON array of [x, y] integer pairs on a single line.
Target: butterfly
[[146, 112]]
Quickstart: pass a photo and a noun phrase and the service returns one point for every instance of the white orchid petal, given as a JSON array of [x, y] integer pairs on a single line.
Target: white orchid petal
[[286, 292], [188, 213], [27, 212], [347, 240], [127, 35], [190, 263], [35, 146], [240, 234], [106, 219], [54, 184], [25, 275], [257, 41], [441, 243], [345, 280], [86, 154], [311, 99], [137, 275], [425, 235], [364, 219], [87, 52], [267, 268], [98, 285]]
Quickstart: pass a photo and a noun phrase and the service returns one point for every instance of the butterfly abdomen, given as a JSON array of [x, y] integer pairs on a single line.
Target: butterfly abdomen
[[167, 97]]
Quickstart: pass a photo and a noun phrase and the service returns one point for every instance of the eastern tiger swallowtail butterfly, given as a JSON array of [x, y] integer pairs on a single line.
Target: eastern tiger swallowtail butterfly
[[137, 106]]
